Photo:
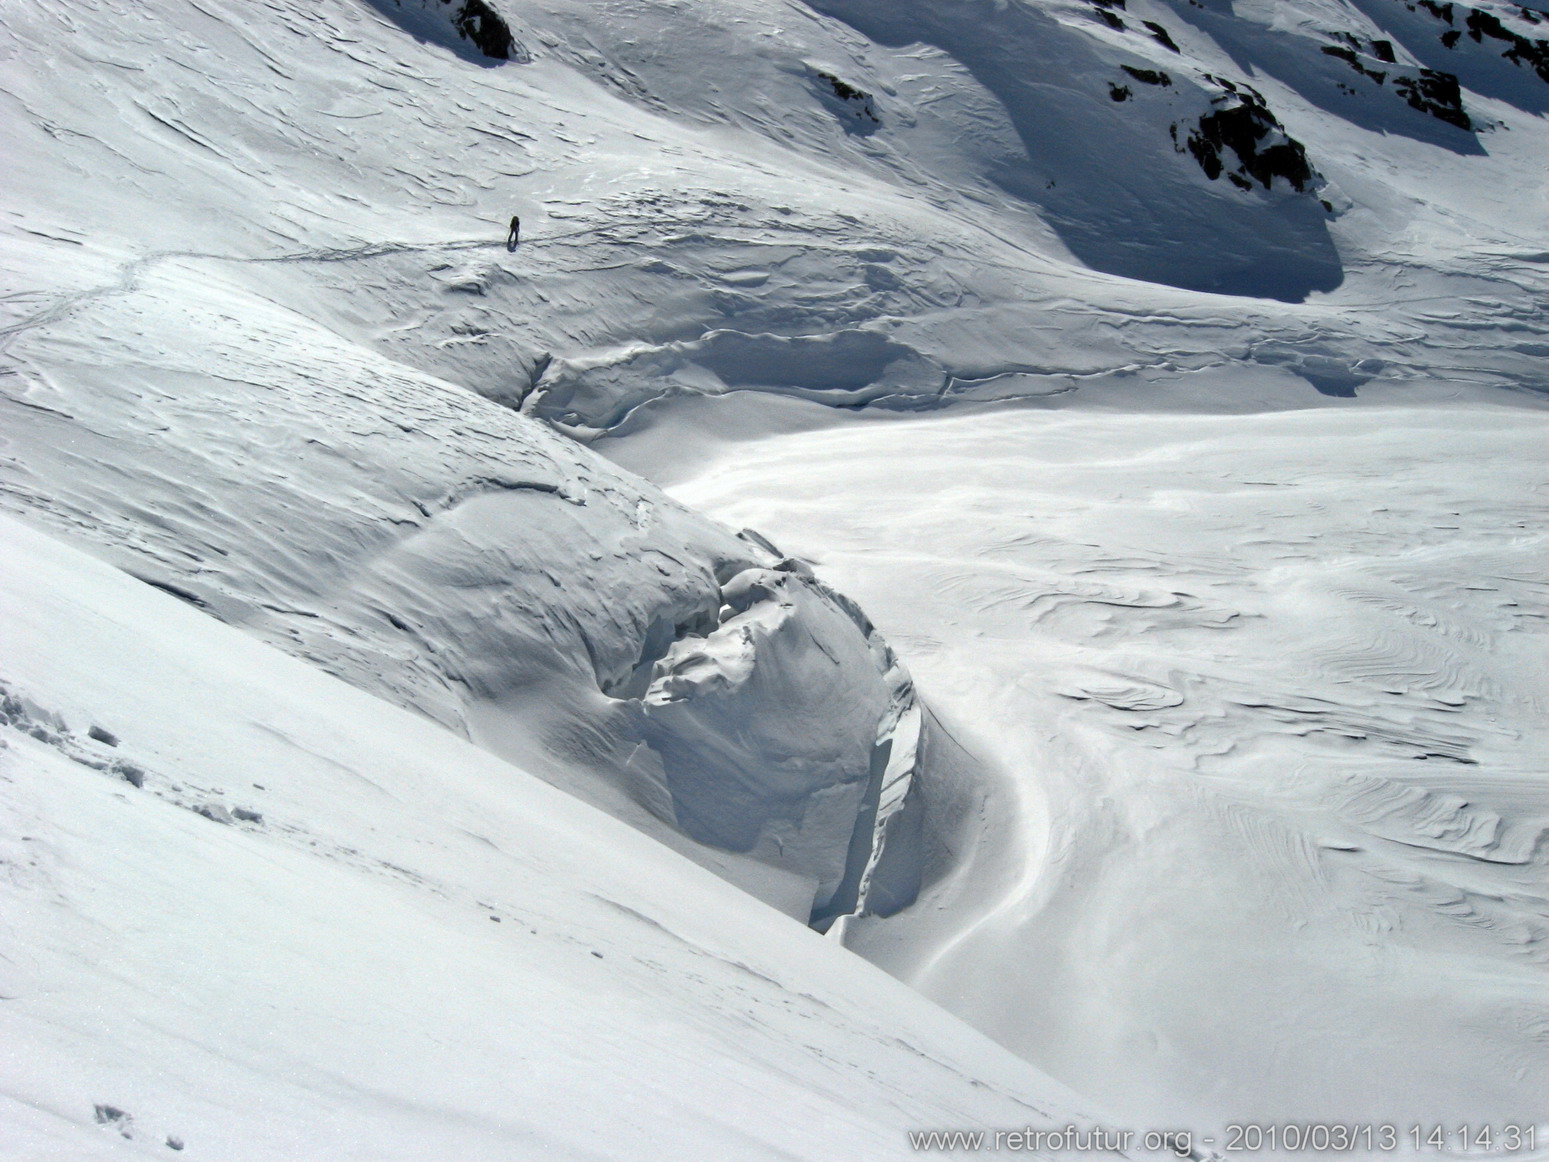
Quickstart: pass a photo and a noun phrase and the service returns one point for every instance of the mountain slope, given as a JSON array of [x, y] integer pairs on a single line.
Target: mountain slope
[[252, 912], [265, 350], [431, 546]]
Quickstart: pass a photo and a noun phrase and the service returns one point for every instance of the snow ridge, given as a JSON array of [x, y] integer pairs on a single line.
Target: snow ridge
[[308, 924]]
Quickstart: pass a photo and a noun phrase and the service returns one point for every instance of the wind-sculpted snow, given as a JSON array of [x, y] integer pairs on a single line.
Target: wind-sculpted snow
[[1231, 730], [847, 368], [693, 230], [461, 560], [1260, 701], [252, 913]]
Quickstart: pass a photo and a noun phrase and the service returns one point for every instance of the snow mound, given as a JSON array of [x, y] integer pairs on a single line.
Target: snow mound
[[254, 913], [458, 559]]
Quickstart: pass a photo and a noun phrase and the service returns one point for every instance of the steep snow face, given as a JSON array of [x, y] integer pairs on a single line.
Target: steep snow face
[[253, 913], [459, 559]]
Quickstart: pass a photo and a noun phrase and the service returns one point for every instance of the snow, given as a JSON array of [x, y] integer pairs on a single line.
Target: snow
[[1098, 577], [438, 549], [1259, 700], [380, 942]]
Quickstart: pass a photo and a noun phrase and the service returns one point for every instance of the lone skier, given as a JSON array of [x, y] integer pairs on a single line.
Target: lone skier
[[515, 235]]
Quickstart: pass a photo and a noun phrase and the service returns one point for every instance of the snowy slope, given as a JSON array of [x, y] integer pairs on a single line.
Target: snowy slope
[[696, 227], [1260, 701], [432, 546], [263, 349], [438, 549], [256, 913]]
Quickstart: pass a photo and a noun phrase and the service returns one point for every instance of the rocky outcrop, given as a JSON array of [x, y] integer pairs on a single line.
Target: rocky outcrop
[[854, 107], [478, 22], [1426, 90], [1242, 125], [1521, 50], [467, 26]]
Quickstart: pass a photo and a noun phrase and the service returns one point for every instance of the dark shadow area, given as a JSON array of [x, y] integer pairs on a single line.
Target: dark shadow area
[[853, 108], [1340, 387], [843, 361], [1504, 59], [471, 29], [1113, 177], [1355, 80], [1280, 251], [1331, 373]]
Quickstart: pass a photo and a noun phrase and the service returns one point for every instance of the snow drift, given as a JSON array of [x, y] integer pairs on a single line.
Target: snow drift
[[265, 351], [457, 558], [254, 913]]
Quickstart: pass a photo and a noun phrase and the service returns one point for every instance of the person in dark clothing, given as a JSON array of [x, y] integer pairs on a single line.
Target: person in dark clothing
[[515, 235]]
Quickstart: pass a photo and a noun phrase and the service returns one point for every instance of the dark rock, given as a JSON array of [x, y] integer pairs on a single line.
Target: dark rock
[[1161, 35], [850, 94], [1435, 93], [855, 106], [1432, 92], [476, 21], [1522, 51], [1263, 148], [1348, 55]]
